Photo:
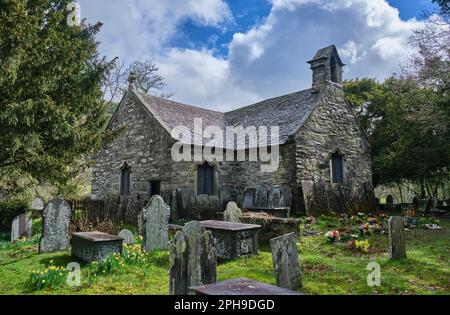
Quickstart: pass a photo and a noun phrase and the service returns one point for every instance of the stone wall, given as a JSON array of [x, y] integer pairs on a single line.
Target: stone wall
[[332, 126], [145, 146], [304, 161], [243, 175]]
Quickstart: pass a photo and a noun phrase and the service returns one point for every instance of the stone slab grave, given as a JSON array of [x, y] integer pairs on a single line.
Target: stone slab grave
[[286, 262], [127, 235], [232, 213], [95, 246], [397, 241], [233, 239], [155, 219], [193, 260], [22, 226], [55, 231], [242, 286]]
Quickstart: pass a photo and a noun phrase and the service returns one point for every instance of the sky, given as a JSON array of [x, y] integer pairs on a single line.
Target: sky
[[224, 54]]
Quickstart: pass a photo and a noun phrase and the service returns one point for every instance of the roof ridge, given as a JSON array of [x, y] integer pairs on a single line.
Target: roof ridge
[[220, 112], [179, 103], [267, 100]]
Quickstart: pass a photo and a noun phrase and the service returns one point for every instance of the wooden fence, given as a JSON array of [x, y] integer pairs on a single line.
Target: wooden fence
[[123, 209]]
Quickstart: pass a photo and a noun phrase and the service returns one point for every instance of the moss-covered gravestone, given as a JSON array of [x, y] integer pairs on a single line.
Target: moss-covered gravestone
[[155, 219], [55, 231], [397, 242], [285, 261], [193, 260], [232, 213]]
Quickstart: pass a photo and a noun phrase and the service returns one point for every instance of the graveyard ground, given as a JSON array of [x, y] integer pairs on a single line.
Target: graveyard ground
[[327, 268]]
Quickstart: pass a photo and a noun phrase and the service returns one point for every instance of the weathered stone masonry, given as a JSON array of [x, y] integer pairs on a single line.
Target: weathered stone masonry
[[314, 124]]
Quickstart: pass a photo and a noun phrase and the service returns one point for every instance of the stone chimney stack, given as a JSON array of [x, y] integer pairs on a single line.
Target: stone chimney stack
[[132, 78], [327, 67]]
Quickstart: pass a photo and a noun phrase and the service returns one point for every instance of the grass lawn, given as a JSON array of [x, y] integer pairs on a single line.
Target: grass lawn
[[327, 268]]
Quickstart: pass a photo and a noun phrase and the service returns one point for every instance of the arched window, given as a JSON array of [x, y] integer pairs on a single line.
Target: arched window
[[125, 180], [205, 180], [337, 168]]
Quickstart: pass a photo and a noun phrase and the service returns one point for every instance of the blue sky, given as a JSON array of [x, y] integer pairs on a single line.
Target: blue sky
[[249, 13], [223, 54]]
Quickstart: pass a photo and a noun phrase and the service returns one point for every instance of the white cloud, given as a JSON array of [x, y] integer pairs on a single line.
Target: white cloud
[[269, 59], [202, 79], [141, 29]]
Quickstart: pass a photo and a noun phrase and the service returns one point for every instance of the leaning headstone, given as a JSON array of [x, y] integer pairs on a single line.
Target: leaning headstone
[[193, 260], [232, 213], [155, 219], [21, 227], [397, 242], [56, 220], [127, 236], [37, 204], [285, 261]]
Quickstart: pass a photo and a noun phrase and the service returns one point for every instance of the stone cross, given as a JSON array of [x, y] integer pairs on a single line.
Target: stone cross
[[397, 242], [286, 262], [21, 227], [56, 220], [232, 213], [193, 260], [127, 236], [155, 219]]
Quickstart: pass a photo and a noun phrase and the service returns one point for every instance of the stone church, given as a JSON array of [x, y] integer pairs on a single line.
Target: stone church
[[324, 154]]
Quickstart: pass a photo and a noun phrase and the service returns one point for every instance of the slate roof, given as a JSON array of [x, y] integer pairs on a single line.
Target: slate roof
[[289, 112]]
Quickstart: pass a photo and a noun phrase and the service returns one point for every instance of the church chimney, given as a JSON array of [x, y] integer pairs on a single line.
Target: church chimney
[[132, 78], [327, 67]]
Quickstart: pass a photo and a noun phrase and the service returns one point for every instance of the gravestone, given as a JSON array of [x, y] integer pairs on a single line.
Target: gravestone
[[275, 196], [397, 242], [285, 261], [232, 213], [225, 196], [262, 194], [193, 260], [127, 236], [174, 213], [155, 218], [249, 198], [55, 232], [37, 204], [286, 197], [186, 204], [140, 224], [207, 206], [21, 227]]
